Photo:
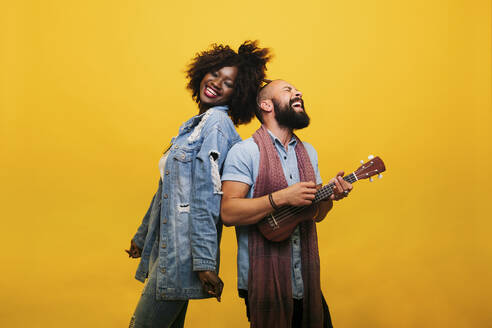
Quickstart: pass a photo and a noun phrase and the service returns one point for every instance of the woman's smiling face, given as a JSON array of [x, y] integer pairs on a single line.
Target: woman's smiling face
[[217, 86]]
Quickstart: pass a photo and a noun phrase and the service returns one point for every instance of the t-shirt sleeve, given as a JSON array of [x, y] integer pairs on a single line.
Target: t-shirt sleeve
[[238, 165], [313, 156]]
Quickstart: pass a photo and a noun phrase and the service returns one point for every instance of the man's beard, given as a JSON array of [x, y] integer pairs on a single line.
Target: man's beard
[[288, 117]]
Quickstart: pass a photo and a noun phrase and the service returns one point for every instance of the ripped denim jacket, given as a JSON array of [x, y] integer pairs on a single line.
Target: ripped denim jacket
[[182, 229]]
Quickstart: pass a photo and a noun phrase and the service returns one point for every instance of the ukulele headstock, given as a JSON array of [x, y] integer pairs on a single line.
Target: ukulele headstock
[[374, 166]]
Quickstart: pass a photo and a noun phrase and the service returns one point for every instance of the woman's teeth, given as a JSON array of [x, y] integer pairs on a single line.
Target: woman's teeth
[[210, 92]]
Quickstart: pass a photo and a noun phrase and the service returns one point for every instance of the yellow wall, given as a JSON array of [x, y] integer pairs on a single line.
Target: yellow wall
[[91, 92]]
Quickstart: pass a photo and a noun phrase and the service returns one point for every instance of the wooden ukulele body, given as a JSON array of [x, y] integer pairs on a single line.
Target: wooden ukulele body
[[279, 225]]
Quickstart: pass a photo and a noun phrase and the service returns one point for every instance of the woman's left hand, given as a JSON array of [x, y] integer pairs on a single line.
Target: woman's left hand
[[134, 251], [211, 283]]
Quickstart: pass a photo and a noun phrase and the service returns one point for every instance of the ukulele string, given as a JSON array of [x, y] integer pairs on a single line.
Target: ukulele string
[[324, 192]]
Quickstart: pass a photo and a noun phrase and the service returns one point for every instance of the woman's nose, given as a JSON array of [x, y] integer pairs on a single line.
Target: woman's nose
[[216, 83]]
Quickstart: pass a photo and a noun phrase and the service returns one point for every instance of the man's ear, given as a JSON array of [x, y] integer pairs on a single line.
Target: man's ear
[[266, 105]]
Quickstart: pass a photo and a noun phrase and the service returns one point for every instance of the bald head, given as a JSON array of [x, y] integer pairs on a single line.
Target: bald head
[[275, 91], [268, 91], [280, 99]]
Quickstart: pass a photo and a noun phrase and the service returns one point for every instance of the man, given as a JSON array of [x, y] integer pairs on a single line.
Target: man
[[280, 281]]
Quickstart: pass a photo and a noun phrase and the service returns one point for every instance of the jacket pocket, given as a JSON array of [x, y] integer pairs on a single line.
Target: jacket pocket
[[183, 155], [182, 171]]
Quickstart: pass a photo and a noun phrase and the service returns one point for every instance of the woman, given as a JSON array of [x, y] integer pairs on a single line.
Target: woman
[[178, 240]]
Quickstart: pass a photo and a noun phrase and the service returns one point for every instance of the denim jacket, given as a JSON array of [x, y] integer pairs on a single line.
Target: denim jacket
[[181, 229]]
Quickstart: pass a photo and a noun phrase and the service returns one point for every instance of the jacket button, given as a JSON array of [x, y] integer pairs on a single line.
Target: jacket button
[[165, 196], [176, 147], [163, 294], [183, 156], [164, 221], [163, 245], [163, 270], [167, 172]]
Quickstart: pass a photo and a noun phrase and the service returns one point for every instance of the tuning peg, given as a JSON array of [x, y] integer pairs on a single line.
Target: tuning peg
[[380, 176], [370, 156], [370, 179], [362, 161]]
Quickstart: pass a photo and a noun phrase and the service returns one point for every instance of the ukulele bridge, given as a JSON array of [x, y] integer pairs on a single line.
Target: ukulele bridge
[[273, 223]]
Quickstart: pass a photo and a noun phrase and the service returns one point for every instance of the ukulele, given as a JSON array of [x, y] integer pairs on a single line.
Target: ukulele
[[279, 225]]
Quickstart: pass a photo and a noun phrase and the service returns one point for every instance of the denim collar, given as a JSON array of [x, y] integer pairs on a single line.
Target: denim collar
[[192, 122]]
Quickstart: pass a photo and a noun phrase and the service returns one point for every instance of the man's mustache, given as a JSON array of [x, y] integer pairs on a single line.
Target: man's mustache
[[296, 99]]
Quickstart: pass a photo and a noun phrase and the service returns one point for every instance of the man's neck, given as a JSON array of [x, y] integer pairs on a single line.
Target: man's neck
[[284, 134]]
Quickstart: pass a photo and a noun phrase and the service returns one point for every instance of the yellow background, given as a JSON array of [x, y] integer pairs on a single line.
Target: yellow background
[[92, 91]]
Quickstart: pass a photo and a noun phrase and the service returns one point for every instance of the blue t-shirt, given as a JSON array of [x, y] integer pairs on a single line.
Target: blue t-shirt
[[242, 164]]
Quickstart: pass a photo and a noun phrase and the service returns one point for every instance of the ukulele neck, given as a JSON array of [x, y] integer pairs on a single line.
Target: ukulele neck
[[327, 190]]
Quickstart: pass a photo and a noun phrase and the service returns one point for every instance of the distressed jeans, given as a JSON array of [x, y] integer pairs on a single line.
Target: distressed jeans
[[153, 313]]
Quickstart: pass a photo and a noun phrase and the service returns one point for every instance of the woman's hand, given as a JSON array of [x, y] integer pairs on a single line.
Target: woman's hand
[[134, 251], [211, 283]]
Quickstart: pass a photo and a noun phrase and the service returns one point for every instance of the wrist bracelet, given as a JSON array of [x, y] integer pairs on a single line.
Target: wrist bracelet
[[270, 198]]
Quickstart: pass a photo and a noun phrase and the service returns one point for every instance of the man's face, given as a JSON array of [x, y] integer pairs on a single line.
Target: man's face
[[289, 106]]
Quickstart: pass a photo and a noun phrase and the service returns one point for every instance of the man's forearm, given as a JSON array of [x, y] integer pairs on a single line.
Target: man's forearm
[[238, 210], [244, 211]]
